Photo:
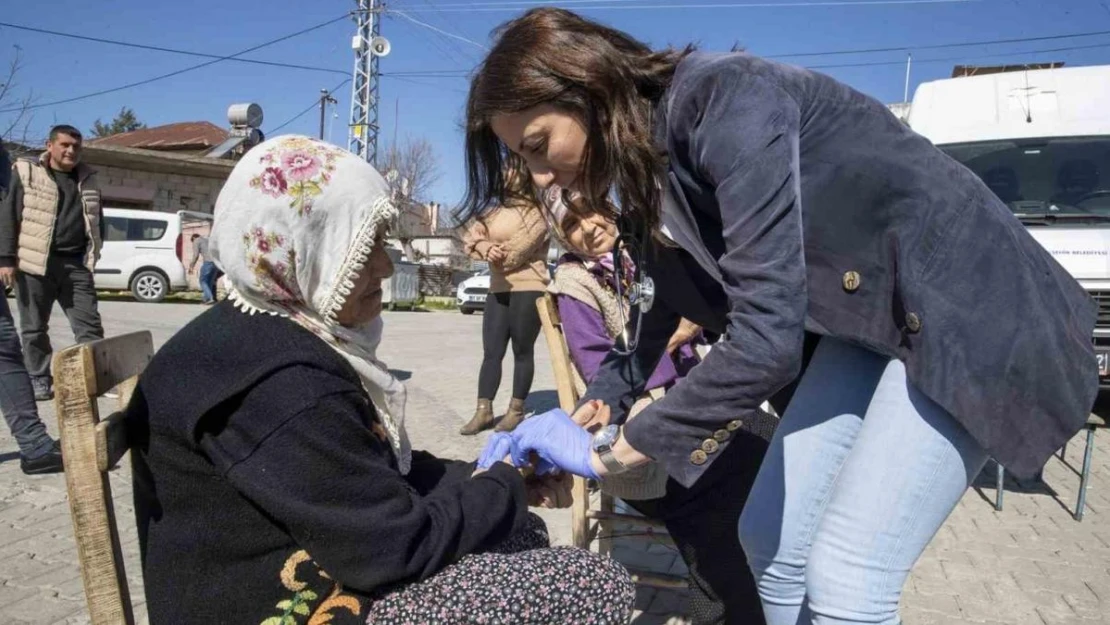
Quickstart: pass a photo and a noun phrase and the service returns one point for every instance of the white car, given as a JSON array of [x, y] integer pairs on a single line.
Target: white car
[[472, 292], [143, 252]]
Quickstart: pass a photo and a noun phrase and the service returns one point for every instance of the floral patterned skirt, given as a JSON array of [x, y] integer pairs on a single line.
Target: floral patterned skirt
[[522, 581]]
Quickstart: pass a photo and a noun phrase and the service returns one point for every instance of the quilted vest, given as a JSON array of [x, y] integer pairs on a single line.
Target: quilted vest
[[40, 209]]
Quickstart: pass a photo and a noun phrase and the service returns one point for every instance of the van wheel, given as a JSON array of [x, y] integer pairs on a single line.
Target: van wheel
[[150, 286]]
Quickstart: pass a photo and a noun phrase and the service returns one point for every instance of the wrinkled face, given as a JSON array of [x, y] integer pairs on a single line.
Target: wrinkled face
[[591, 235], [65, 152], [551, 142], [364, 304]]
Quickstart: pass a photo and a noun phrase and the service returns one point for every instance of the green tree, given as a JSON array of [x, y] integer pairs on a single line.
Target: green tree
[[125, 121]]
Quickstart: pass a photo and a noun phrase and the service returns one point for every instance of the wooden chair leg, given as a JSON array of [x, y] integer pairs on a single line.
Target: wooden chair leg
[[1087, 453], [605, 531], [1000, 481], [579, 522]]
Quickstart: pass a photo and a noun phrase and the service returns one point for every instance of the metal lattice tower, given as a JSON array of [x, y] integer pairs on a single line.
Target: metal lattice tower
[[363, 136]]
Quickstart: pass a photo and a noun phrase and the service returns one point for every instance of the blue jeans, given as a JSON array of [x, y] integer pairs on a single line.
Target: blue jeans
[[861, 474], [17, 398], [208, 281]]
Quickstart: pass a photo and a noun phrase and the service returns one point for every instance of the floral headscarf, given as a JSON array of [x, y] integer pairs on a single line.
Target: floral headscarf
[[294, 226]]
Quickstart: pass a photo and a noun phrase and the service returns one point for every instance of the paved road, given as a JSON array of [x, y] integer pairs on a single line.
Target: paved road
[[1030, 564]]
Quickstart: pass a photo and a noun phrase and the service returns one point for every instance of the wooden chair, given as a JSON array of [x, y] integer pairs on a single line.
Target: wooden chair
[[587, 523], [1094, 422], [90, 448]]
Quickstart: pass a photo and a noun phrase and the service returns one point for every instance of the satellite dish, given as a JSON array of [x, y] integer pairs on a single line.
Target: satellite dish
[[380, 46]]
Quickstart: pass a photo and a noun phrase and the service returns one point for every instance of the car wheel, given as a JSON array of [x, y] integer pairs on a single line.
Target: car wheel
[[467, 311], [150, 286]]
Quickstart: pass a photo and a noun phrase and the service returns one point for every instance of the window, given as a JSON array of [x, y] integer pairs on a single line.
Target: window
[[1059, 175], [128, 229]]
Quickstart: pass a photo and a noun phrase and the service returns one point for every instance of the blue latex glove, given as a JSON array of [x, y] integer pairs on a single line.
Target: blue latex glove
[[557, 440], [497, 448]]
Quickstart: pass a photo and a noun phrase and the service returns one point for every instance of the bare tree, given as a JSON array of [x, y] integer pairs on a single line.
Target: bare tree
[[411, 169], [15, 110]]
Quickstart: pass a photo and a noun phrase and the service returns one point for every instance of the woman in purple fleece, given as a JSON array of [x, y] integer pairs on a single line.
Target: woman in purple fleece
[[593, 316], [585, 290]]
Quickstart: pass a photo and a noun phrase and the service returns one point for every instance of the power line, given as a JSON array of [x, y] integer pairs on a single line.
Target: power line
[[432, 74], [442, 73], [438, 41], [963, 58], [141, 46], [180, 71], [422, 83], [315, 103], [438, 30], [454, 44], [489, 7], [939, 46]]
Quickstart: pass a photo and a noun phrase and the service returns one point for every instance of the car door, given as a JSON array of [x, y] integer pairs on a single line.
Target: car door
[[113, 269]]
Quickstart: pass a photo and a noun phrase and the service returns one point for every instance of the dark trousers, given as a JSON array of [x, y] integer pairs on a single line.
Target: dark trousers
[[17, 399], [69, 283], [509, 316], [703, 521]]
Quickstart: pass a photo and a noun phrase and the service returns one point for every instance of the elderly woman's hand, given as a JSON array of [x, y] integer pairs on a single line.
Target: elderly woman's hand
[[559, 442], [592, 415], [549, 491]]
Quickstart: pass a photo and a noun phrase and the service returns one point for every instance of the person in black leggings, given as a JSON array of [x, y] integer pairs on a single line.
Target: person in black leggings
[[509, 317], [514, 241]]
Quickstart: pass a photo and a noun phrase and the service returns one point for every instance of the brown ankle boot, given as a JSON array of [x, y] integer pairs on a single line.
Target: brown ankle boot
[[482, 419], [512, 417]]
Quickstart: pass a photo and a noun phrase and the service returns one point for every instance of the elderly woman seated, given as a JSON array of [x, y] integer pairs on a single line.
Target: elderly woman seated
[[702, 520], [274, 482]]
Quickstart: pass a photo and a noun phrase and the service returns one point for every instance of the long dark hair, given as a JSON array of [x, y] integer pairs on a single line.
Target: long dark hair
[[609, 81]]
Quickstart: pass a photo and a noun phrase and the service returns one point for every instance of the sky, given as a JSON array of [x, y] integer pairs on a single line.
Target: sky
[[434, 42]]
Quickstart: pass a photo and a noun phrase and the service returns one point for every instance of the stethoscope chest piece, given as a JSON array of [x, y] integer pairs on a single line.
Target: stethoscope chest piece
[[642, 293]]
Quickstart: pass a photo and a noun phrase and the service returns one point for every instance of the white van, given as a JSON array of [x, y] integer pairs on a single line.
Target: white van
[[1040, 139], [144, 251]]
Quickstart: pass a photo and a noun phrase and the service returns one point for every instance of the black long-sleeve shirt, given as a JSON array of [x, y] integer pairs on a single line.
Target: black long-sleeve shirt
[[261, 444]]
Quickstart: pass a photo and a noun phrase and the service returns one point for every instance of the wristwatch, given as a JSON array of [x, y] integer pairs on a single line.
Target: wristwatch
[[603, 443]]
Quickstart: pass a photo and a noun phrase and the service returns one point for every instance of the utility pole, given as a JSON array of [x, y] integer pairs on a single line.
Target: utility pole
[[369, 47], [325, 99]]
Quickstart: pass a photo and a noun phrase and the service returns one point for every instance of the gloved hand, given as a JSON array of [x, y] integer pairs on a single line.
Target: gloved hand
[[557, 440], [497, 448]]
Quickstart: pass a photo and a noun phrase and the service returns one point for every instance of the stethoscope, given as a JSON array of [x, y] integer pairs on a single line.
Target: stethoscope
[[641, 293]]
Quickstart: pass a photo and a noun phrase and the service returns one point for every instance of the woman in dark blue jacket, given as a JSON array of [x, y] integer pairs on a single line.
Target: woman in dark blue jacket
[[780, 202]]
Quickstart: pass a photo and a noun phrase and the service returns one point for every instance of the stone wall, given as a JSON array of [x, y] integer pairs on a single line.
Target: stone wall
[[165, 192]]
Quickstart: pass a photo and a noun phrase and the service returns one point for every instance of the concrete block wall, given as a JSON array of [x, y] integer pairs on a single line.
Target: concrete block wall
[[170, 192]]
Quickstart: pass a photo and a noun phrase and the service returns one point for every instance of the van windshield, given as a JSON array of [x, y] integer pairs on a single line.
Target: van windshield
[[1054, 177]]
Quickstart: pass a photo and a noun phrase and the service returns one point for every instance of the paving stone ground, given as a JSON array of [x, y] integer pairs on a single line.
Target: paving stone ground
[[1031, 564]]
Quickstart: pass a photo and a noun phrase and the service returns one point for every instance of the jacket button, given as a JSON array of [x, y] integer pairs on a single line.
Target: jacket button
[[851, 281], [710, 446], [721, 435], [699, 457], [913, 323], [734, 425]]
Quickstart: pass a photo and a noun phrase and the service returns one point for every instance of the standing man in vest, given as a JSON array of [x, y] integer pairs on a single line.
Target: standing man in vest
[[50, 234]]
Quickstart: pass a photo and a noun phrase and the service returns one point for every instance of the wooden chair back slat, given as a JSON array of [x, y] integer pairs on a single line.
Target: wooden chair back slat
[[114, 361], [89, 449], [112, 441]]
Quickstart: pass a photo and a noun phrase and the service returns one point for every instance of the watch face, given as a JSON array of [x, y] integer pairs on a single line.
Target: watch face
[[605, 437]]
